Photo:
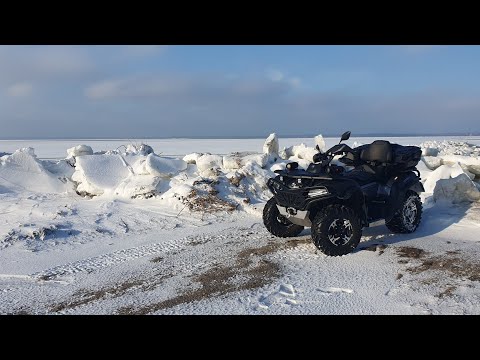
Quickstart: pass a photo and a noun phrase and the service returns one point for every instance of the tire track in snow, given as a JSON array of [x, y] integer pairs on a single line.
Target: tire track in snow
[[117, 257], [120, 256]]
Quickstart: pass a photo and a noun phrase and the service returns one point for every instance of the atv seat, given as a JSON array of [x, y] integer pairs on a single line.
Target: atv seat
[[361, 176], [375, 158]]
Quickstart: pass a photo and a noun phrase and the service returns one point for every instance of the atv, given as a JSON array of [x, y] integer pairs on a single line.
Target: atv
[[337, 199]]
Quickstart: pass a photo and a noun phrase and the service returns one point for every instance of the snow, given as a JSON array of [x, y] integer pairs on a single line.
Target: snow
[[443, 172], [432, 162], [23, 171], [456, 190], [320, 142], [79, 150], [209, 165], [99, 173], [270, 147], [117, 231], [164, 167]]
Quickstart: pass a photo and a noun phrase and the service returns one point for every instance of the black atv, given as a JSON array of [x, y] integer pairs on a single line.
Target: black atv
[[373, 182]]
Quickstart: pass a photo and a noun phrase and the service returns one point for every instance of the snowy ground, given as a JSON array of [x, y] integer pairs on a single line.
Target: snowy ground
[[137, 242]]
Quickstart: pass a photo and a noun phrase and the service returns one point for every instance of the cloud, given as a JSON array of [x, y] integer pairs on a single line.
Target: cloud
[[137, 108], [44, 63], [20, 89], [278, 76], [180, 105], [168, 85], [275, 75], [138, 87], [97, 91], [104, 89], [295, 82]]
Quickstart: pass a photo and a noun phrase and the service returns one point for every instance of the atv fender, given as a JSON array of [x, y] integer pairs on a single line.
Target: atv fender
[[402, 184], [346, 192]]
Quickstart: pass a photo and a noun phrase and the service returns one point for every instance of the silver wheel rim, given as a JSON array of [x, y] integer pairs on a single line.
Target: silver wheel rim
[[335, 237], [410, 212], [282, 220]]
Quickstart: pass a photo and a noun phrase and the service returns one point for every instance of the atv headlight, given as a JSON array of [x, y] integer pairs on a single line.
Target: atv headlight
[[318, 192]]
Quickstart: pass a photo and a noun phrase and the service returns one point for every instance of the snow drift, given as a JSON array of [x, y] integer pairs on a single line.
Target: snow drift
[[237, 179], [456, 166], [22, 171]]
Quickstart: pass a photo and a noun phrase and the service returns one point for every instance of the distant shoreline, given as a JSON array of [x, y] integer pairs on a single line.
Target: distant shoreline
[[236, 137]]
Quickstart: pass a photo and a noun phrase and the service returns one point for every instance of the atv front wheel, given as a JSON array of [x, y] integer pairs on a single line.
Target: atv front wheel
[[407, 218], [336, 230], [278, 224]]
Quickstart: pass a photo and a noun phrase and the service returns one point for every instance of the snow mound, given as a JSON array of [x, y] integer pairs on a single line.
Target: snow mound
[[209, 165], [471, 163], [436, 148], [301, 151], [320, 142], [240, 159], [23, 171], [79, 150], [99, 174], [143, 186], [192, 158], [458, 189], [128, 176], [233, 181], [164, 167], [432, 162], [439, 153], [270, 147], [138, 149], [443, 172]]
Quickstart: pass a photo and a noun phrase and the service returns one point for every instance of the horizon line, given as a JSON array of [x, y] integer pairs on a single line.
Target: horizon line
[[243, 137]]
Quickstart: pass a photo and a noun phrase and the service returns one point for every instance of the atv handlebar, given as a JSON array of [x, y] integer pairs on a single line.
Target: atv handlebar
[[328, 156]]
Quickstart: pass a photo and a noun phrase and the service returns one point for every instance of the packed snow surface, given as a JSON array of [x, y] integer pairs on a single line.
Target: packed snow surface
[[175, 227]]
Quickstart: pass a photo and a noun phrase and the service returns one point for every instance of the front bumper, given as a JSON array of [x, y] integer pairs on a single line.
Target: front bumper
[[297, 217], [286, 197]]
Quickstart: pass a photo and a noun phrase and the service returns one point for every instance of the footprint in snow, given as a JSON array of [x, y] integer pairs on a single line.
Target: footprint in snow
[[285, 295], [287, 290], [331, 290]]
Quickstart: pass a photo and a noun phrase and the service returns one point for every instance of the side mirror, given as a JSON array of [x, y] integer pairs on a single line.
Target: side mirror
[[346, 136]]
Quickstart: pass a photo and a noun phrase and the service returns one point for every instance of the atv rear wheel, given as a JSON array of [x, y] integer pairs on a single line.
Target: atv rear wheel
[[278, 224], [407, 218], [336, 230]]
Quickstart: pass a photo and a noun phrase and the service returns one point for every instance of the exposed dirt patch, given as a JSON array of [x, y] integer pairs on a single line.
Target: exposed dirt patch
[[204, 198], [83, 297], [380, 247], [235, 180], [411, 252], [452, 265], [156, 259], [440, 268], [248, 270], [399, 276], [372, 248]]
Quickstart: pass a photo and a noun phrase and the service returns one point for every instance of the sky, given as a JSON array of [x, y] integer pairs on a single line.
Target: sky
[[140, 91]]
